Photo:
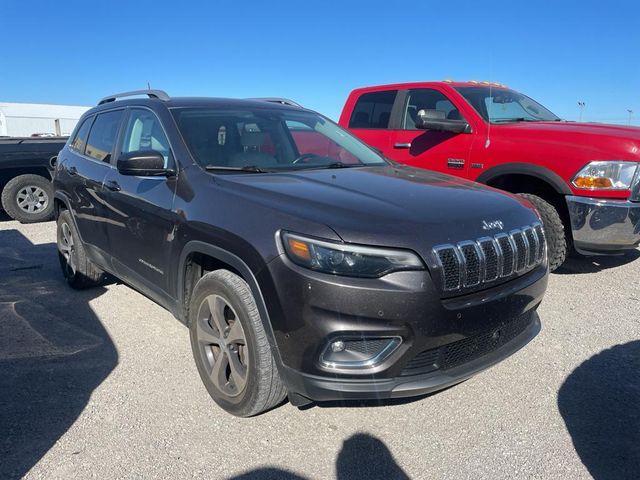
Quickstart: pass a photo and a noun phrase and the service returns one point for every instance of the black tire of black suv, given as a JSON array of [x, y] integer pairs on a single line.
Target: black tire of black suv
[[558, 244], [78, 270], [28, 198], [225, 330]]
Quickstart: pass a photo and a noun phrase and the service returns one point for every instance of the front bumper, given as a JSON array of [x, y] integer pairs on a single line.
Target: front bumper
[[309, 309], [330, 389], [604, 226]]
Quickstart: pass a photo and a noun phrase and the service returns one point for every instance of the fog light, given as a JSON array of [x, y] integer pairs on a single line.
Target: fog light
[[358, 352]]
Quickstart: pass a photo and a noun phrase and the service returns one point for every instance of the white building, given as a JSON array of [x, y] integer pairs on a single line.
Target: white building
[[26, 119]]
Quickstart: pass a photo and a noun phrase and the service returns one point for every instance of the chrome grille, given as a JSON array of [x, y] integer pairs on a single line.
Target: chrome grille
[[473, 263], [521, 250]]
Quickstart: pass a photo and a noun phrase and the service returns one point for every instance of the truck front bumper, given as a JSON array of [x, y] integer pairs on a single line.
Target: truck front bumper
[[603, 226]]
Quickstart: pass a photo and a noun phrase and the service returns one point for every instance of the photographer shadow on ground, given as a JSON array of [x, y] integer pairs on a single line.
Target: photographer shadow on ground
[[362, 457], [54, 352], [600, 405]]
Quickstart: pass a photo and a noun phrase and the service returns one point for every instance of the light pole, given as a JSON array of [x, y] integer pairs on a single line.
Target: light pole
[[581, 105], [630, 112]]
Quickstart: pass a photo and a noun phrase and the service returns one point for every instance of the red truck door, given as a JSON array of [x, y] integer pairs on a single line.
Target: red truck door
[[445, 152]]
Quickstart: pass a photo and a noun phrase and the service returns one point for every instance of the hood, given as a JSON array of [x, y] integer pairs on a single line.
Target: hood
[[386, 206], [599, 141]]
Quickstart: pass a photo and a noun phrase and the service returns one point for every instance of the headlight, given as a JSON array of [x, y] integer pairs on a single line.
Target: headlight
[[346, 259], [606, 176]]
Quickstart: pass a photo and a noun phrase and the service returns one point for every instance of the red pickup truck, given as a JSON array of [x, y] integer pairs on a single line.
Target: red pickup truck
[[584, 178]]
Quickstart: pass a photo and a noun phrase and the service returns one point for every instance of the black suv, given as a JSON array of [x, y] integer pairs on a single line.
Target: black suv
[[303, 262]]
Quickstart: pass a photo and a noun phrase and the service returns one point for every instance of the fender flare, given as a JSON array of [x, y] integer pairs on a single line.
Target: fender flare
[[552, 178], [196, 246], [58, 195]]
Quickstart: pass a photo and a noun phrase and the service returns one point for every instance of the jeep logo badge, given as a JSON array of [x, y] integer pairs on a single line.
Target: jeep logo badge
[[495, 224]]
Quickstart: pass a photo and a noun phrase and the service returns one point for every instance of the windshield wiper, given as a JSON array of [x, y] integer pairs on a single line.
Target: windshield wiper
[[517, 119], [326, 166], [246, 168]]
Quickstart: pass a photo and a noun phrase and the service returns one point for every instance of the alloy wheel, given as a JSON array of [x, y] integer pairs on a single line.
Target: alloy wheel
[[32, 199], [67, 247], [222, 345]]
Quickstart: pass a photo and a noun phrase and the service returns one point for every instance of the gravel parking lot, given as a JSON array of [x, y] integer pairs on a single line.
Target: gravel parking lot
[[101, 383]]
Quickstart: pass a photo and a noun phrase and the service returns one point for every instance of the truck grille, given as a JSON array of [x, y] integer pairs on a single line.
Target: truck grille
[[463, 351], [473, 264]]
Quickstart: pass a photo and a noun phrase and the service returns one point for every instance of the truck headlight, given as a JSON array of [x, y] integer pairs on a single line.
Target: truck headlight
[[346, 259], [609, 175]]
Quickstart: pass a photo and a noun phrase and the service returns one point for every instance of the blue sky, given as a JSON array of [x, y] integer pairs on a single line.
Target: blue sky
[[557, 52]]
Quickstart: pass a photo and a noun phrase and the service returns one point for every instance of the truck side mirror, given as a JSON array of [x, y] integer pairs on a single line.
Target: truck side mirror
[[436, 120]]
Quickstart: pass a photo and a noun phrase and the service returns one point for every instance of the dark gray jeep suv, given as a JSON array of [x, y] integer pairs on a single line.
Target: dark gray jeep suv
[[303, 262]]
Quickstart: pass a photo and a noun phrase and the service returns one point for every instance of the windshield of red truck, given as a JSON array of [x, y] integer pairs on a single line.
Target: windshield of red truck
[[500, 105]]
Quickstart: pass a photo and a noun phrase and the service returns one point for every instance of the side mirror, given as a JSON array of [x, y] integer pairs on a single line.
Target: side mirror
[[437, 120], [144, 164]]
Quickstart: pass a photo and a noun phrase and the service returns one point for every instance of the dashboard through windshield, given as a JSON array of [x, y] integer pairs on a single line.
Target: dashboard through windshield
[[501, 105]]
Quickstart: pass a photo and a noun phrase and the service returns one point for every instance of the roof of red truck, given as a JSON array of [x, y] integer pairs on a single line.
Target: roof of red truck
[[452, 83]]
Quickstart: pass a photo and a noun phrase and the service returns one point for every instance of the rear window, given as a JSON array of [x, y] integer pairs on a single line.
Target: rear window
[[373, 110], [80, 140], [103, 135]]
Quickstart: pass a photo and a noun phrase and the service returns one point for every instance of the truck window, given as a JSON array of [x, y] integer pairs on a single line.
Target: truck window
[[144, 133], [427, 99], [373, 110], [103, 135], [80, 140]]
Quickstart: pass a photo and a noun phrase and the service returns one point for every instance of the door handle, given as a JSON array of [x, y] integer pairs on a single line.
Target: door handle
[[112, 185], [402, 145], [73, 171]]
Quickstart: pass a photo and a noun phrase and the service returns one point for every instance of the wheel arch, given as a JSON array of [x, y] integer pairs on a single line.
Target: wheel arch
[[61, 202], [9, 174], [221, 259], [493, 175]]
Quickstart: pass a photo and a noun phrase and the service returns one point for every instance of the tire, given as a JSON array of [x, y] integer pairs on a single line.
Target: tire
[[558, 244], [226, 331], [78, 270], [28, 198]]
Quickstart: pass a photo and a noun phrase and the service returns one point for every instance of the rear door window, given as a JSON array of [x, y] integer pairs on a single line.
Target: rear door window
[[80, 140], [104, 133], [373, 110]]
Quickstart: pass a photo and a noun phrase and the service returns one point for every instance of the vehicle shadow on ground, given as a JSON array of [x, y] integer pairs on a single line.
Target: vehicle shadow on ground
[[4, 217], [54, 352], [595, 264], [600, 405], [362, 457]]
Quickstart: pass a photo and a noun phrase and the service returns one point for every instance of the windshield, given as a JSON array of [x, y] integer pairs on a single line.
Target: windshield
[[500, 105], [269, 140]]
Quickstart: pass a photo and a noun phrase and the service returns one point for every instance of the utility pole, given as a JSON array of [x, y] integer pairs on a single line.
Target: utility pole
[[630, 112], [581, 105]]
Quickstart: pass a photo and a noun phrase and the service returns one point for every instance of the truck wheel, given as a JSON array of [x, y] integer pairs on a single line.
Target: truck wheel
[[28, 198], [557, 242], [78, 270], [230, 346]]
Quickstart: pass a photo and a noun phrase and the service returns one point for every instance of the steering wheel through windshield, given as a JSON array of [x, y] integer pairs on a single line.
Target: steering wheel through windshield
[[304, 157]]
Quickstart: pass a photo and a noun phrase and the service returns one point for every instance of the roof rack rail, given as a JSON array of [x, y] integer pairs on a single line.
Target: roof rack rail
[[159, 94], [281, 101]]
